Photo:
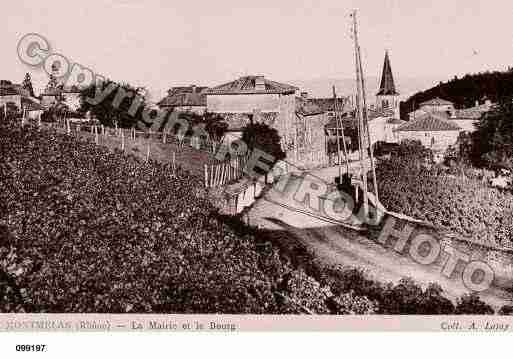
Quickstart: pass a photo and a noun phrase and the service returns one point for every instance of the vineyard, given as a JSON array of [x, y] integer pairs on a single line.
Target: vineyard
[[465, 206], [85, 229]]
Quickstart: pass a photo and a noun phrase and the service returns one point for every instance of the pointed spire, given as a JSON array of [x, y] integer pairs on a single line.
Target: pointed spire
[[387, 86]]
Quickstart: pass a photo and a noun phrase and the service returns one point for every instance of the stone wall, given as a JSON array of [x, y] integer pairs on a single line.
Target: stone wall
[[243, 103]]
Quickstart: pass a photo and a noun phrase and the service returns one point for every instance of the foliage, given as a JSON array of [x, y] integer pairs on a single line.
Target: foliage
[[83, 229], [466, 206], [506, 310], [466, 91], [472, 304], [212, 123], [405, 297], [493, 140], [107, 113], [261, 136]]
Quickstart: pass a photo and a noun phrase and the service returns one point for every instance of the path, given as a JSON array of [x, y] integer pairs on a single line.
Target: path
[[334, 244]]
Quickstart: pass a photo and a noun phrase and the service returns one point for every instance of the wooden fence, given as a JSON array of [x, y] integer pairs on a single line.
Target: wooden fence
[[222, 173]]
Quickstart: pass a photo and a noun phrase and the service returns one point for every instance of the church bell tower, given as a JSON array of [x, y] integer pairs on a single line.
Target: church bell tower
[[387, 98]]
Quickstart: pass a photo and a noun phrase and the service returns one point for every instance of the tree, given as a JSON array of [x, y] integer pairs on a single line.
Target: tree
[[261, 136], [107, 113], [27, 84], [493, 140]]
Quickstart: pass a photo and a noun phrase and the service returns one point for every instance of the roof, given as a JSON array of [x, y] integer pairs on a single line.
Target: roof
[[429, 122], [248, 85], [327, 104], [185, 96], [30, 104], [387, 86], [437, 101]]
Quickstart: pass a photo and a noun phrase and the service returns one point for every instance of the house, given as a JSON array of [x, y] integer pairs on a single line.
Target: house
[[311, 142], [255, 98], [16, 95], [185, 99], [298, 119], [328, 105], [433, 130], [10, 93], [437, 104]]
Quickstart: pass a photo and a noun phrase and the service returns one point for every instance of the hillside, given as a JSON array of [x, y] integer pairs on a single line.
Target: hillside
[[465, 91], [84, 229]]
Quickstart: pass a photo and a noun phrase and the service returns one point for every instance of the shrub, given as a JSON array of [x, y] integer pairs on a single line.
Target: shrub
[[472, 304], [506, 310]]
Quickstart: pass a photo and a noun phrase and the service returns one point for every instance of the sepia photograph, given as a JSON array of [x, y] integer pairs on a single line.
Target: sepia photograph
[[256, 166]]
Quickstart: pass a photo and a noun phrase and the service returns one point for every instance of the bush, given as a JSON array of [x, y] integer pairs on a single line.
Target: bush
[[472, 304], [264, 138], [506, 310]]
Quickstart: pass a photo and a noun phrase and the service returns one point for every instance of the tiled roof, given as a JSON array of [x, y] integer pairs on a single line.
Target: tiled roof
[[437, 101], [30, 104], [387, 86], [429, 122], [249, 85], [327, 104], [185, 96]]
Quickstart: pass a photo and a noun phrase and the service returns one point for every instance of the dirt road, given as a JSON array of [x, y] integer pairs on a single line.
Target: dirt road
[[333, 244]]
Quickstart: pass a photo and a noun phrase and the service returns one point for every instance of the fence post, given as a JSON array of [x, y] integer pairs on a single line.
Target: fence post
[[174, 164], [122, 141], [148, 152], [164, 135], [39, 121], [206, 175]]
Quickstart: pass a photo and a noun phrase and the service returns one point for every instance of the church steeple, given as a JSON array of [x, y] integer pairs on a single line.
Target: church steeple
[[386, 98], [387, 86]]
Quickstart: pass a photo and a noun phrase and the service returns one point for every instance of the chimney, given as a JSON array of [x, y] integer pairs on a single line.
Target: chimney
[[193, 88], [259, 83], [304, 95]]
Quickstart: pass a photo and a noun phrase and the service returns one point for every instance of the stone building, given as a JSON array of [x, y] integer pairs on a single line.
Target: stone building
[[192, 99], [256, 98], [16, 95], [433, 130], [299, 120]]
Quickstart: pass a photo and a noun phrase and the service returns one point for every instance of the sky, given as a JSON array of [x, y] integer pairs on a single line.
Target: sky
[[159, 44]]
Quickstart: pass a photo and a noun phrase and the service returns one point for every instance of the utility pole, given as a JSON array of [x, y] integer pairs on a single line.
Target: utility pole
[[338, 136], [359, 113]]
